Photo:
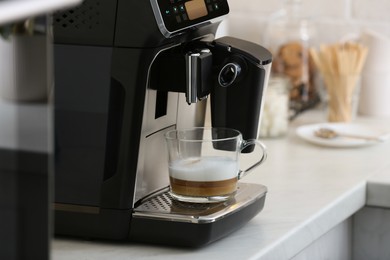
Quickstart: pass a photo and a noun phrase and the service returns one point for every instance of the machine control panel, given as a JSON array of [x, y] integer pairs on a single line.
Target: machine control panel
[[175, 15]]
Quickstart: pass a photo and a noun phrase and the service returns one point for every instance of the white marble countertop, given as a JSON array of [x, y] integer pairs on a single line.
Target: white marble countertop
[[311, 189]]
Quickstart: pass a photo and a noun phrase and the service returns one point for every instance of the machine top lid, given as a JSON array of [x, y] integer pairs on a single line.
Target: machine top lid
[[256, 52]]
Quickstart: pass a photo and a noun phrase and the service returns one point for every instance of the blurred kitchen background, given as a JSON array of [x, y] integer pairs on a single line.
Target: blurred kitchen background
[[301, 25], [332, 18]]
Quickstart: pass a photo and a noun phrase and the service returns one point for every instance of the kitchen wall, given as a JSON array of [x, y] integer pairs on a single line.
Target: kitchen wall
[[332, 18]]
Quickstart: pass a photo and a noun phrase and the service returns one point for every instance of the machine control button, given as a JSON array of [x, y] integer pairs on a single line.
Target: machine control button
[[181, 8], [178, 18], [175, 9], [185, 17]]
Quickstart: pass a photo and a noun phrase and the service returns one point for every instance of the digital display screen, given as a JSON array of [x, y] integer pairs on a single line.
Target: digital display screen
[[196, 9], [180, 14]]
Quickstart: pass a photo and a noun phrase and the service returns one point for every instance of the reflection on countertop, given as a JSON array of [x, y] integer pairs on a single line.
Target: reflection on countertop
[[24, 180]]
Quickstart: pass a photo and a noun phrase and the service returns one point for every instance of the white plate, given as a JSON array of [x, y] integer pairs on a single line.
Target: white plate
[[306, 132]]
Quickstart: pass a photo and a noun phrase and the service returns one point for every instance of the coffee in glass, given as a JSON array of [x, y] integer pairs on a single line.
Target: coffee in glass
[[204, 163]]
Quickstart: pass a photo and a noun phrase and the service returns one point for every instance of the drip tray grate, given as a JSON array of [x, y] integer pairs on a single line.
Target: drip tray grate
[[161, 205]]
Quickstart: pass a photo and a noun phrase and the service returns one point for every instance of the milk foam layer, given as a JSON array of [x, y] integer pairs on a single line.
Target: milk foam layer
[[212, 168]]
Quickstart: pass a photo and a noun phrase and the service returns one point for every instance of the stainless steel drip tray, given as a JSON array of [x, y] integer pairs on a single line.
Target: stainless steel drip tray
[[161, 206]]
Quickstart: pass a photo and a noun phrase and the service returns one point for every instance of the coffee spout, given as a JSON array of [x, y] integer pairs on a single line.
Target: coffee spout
[[198, 70]]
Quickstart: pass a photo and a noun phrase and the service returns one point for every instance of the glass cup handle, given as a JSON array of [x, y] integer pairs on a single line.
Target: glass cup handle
[[244, 145]]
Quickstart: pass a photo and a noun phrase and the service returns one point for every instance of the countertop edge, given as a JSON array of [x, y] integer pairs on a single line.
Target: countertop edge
[[320, 223], [378, 189]]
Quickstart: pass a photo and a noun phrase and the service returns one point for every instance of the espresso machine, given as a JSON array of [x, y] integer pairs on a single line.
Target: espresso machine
[[126, 72]]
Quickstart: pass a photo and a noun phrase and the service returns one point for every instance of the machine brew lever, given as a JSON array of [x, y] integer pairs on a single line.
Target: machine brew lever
[[198, 67]]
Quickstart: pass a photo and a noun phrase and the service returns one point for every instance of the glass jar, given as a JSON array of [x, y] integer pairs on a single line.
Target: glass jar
[[275, 114], [289, 37]]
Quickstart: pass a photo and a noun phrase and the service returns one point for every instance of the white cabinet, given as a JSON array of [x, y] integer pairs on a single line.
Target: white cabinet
[[371, 234]]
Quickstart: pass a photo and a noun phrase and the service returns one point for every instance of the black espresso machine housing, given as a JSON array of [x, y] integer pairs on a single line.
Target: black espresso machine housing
[[127, 71]]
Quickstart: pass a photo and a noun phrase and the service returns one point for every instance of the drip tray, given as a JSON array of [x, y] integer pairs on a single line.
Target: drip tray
[[161, 206]]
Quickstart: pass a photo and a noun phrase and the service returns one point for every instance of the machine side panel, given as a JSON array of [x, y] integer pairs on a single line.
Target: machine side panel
[[98, 111], [81, 114], [136, 25], [92, 23], [107, 224], [129, 70]]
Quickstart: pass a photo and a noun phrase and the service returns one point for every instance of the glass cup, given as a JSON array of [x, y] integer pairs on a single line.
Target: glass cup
[[204, 163]]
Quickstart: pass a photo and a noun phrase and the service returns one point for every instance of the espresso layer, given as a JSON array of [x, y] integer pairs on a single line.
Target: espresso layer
[[203, 189]]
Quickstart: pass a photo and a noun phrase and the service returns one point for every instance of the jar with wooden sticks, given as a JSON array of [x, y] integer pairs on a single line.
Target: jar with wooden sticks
[[340, 66]]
